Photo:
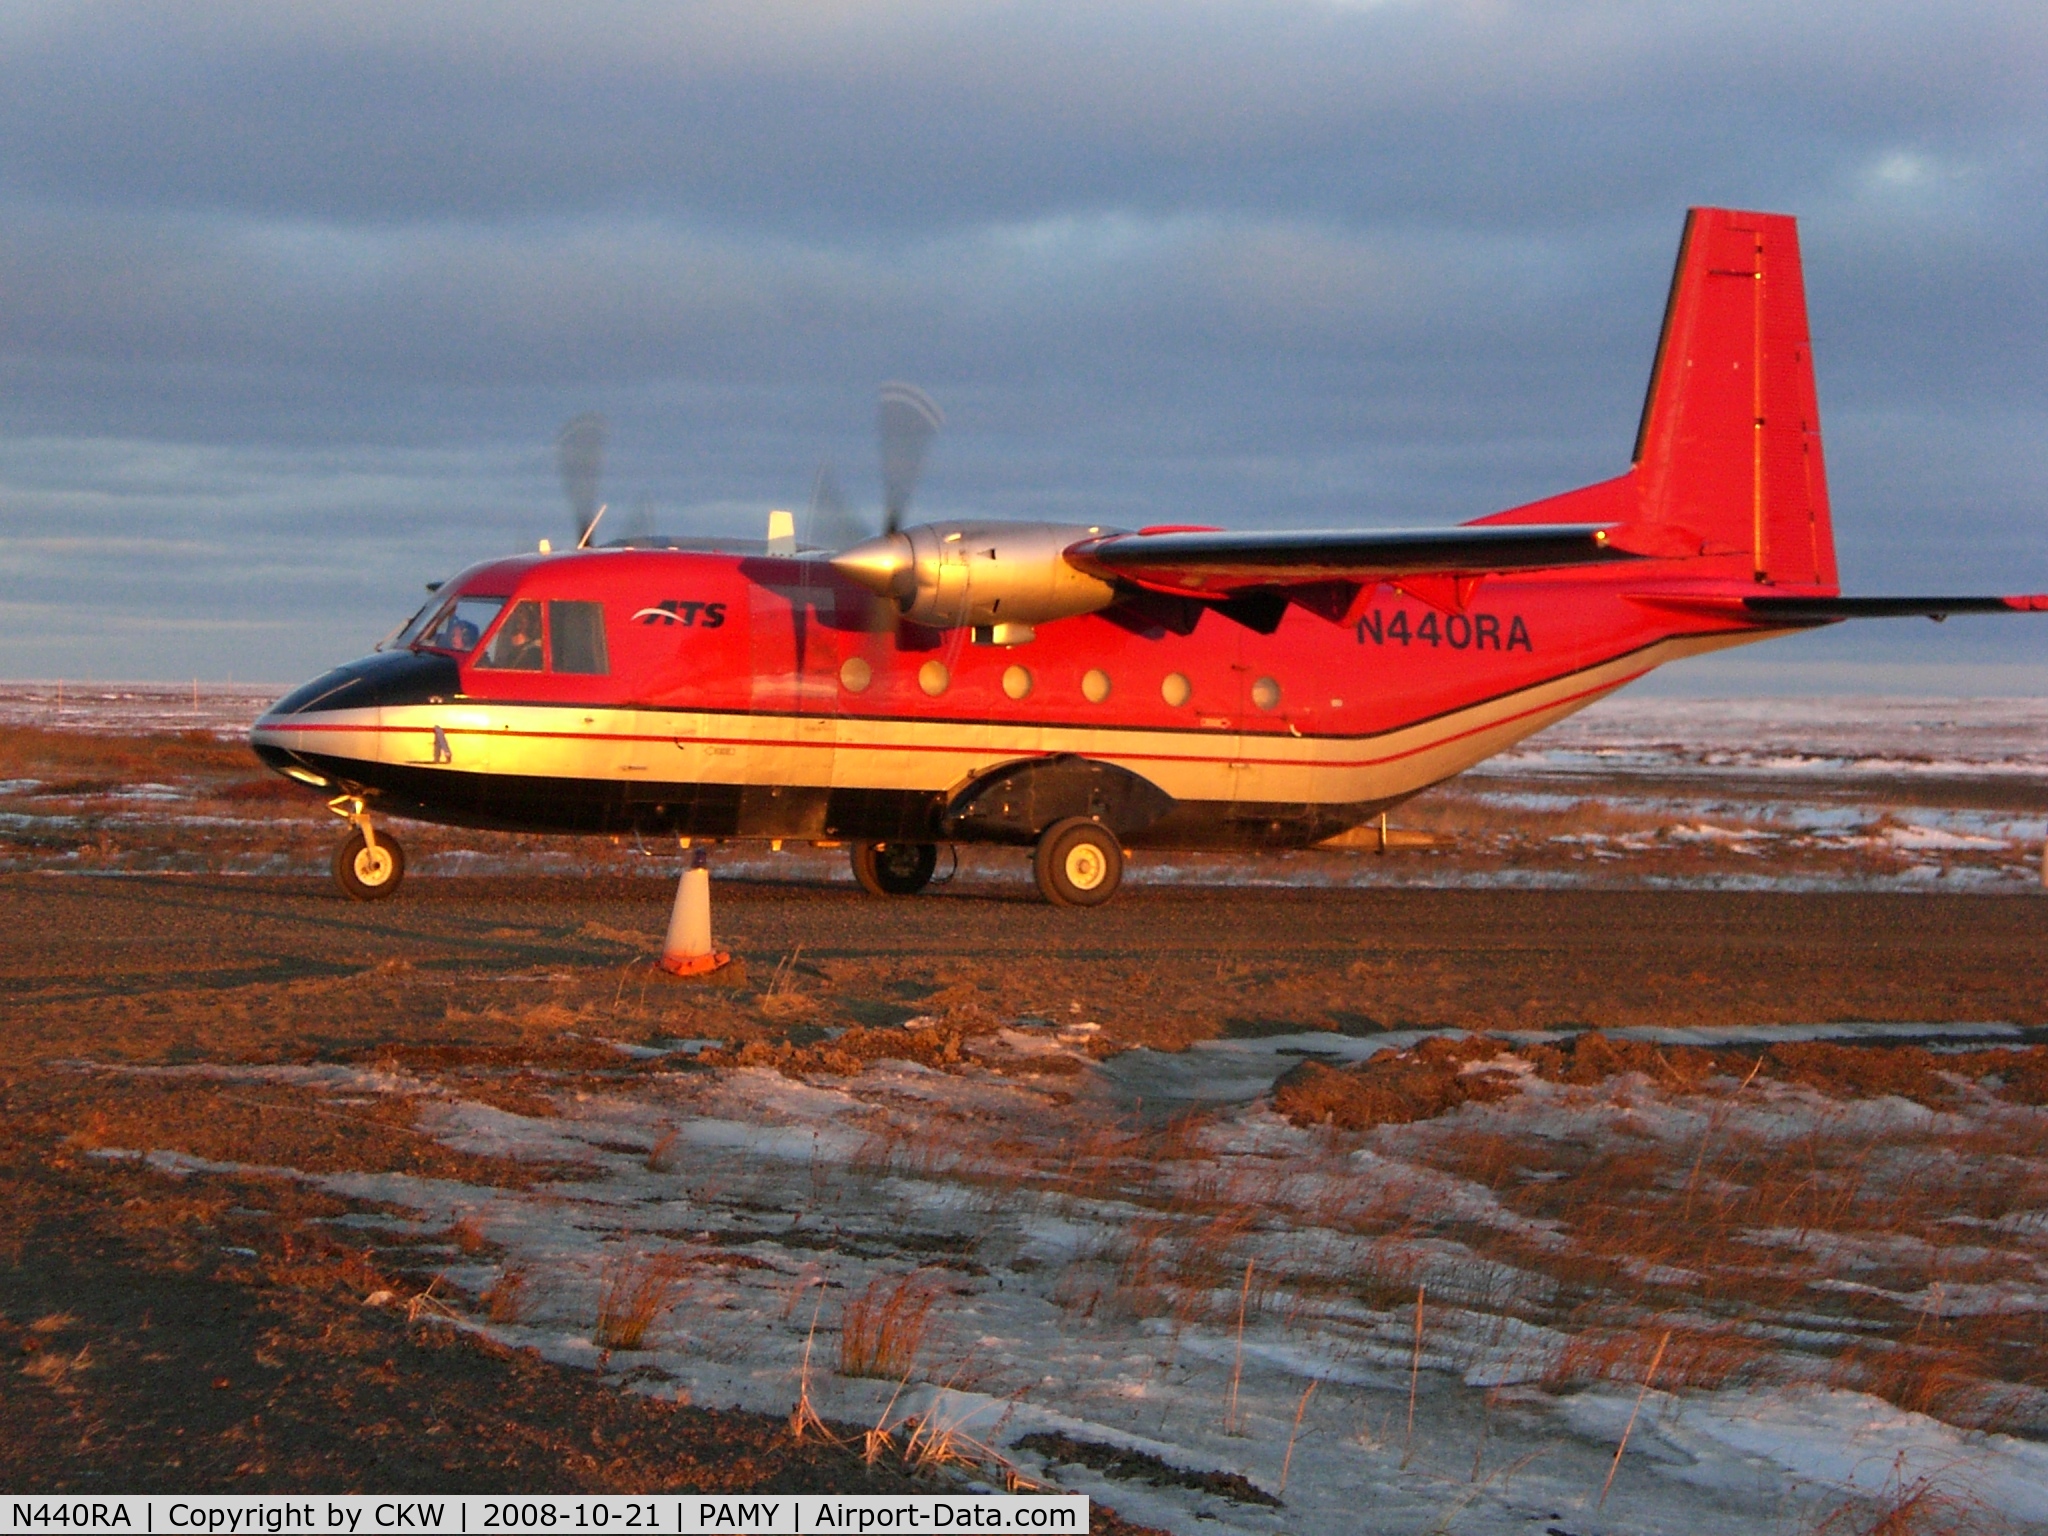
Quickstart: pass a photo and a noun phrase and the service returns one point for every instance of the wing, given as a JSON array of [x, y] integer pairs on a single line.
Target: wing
[[1209, 562]]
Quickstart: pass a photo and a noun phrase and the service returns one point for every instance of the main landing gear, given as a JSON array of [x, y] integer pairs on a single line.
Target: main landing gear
[[1079, 863], [368, 864], [894, 869]]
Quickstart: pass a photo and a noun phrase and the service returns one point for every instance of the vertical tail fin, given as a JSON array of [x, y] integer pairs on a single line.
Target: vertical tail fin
[[1728, 472], [1729, 446]]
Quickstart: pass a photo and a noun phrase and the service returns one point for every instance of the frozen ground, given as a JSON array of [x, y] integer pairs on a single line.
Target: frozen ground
[[1261, 1307], [1732, 739], [226, 710]]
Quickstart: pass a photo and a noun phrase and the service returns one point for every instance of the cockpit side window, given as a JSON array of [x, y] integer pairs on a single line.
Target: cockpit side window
[[459, 625], [576, 638], [516, 647]]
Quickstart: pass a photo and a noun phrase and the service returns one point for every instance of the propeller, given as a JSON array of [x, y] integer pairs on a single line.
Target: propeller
[[639, 528], [830, 523], [579, 454], [905, 420]]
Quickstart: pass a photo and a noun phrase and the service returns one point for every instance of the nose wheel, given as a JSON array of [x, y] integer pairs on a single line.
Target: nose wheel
[[368, 864], [1079, 863]]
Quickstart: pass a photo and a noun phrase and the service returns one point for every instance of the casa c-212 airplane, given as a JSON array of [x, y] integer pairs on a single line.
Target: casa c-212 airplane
[[1086, 691]]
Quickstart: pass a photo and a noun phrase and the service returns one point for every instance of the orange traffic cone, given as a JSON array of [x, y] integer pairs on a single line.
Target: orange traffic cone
[[687, 950]]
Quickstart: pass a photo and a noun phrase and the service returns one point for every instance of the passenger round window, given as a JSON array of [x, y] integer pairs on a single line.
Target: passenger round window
[[932, 677], [1095, 685], [855, 674], [1017, 682], [1176, 690], [1266, 694]]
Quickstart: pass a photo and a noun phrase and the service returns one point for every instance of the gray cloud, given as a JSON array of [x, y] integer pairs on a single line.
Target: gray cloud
[[278, 281]]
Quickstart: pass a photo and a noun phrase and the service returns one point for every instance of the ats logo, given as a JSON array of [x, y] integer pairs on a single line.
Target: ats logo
[[677, 611]]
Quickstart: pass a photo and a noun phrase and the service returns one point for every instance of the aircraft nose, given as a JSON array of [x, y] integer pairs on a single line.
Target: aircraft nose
[[384, 679], [313, 731]]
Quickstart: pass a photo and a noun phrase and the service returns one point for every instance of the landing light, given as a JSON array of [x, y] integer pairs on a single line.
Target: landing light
[[306, 776]]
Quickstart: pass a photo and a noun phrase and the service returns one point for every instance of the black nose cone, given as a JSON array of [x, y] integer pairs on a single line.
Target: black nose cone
[[390, 677]]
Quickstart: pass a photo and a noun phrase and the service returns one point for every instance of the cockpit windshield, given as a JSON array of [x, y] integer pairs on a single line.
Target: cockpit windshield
[[459, 624], [409, 632]]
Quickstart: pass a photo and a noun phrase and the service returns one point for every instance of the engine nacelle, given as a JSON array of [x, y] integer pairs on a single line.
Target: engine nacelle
[[999, 577]]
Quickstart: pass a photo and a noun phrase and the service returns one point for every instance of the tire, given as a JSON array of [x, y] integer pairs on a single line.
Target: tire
[[365, 873], [1079, 863], [894, 869]]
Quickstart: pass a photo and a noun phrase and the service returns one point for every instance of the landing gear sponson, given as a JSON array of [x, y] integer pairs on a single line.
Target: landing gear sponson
[[1070, 810]]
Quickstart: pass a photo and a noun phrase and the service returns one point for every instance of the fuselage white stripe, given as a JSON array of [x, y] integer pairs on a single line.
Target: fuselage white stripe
[[826, 750]]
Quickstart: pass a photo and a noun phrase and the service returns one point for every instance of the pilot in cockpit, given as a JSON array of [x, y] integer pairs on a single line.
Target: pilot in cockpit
[[518, 648]]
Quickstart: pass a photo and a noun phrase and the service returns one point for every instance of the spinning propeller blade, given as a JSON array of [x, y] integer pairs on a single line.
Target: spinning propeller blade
[[905, 419], [579, 454], [830, 523]]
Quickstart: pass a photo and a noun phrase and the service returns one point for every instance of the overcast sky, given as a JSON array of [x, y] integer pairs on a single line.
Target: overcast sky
[[294, 298]]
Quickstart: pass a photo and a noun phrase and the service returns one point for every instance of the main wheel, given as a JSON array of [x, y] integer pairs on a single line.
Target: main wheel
[[894, 869], [1079, 863], [367, 873]]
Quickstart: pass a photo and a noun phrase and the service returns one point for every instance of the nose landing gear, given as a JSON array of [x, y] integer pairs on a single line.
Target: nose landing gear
[[368, 864]]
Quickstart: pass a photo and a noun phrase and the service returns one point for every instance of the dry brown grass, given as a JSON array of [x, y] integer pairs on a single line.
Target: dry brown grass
[[1950, 1373], [1180, 1269], [636, 1289], [76, 762], [847, 1055], [1699, 1359], [1434, 1078], [510, 1300], [1922, 1506], [882, 1330], [1394, 1087], [1852, 1225], [661, 1157]]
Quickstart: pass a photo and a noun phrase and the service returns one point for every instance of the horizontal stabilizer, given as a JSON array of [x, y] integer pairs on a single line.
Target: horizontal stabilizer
[[1827, 610], [1219, 562]]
